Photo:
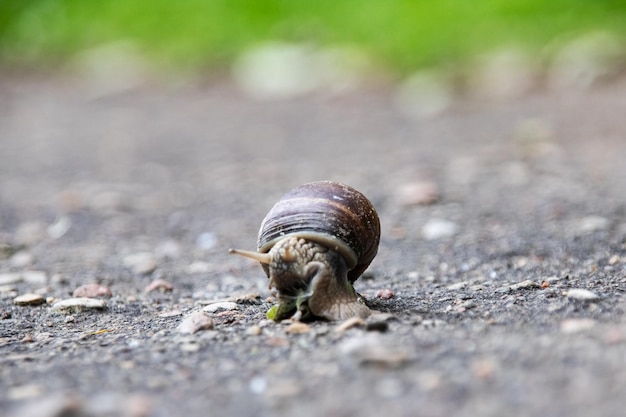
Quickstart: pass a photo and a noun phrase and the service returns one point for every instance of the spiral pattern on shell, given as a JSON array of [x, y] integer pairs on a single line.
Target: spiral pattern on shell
[[332, 214]]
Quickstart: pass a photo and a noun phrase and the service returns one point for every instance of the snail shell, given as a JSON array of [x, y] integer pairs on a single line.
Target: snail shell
[[313, 244]]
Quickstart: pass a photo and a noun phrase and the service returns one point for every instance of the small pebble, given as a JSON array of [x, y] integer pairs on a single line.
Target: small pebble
[[10, 278], [221, 306], [581, 294], [171, 313], [592, 224], [141, 263], [198, 267], [524, 285], [206, 241], [92, 290], [458, 286], [22, 259], [385, 294], [35, 277], [371, 350], [418, 193], [72, 305], [254, 330], [438, 229], [29, 300], [60, 227], [169, 249], [570, 326], [195, 322], [298, 328], [159, 285]]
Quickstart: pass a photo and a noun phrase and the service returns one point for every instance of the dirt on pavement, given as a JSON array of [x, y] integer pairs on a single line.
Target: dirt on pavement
[[499, 280]]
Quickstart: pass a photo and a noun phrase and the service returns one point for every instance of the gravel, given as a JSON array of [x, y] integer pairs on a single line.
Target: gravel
[[513, 304]]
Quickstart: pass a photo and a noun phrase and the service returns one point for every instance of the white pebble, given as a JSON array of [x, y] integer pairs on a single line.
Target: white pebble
[[10, 278], [195, 322], [60, 227], [22, 259], [438, 228], [570, 326], [206, 240], [29, 300], [582, 295], [141, 263], [70, 305], [35, 277], [224, 305], [592, 224]]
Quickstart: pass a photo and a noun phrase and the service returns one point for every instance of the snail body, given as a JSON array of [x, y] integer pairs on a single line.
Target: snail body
[[313, 244]]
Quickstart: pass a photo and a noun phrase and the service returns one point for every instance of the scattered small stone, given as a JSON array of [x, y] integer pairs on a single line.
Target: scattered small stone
[[385, 294], [23, 392], [545, 284], [141, 263], [92, 290], [258, 385], [424, 94], [592, 224], [206, 241], [10, 278], [250, 298], [171, 313], [418, 193], [570, 326], [254, 330], [483, 369], [438, 229], [220, 306], [159, 285], [527, 284], [615, 259], [389, 388], [169, 249], [198, 267], [195, 322], [349, 324], [22, 259], [298, 327], [458, 286], [190, 346], [60, 227], [376, 351], [75, 305], [35, 277], [29, 300], [582, 294]]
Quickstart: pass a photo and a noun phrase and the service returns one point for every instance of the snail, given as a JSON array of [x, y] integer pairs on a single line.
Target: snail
[[313, 244]]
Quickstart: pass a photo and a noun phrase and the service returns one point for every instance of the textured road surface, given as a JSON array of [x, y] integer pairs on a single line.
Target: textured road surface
[[488, 315]]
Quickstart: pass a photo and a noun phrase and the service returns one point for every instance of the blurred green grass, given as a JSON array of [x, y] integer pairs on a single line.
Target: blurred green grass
[[401, 35]]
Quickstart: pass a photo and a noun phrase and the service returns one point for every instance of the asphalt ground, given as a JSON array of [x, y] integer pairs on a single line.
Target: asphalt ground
[[498, 284]]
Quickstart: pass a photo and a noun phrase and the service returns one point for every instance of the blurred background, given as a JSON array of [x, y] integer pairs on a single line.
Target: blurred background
[[163, 105], [278, 48]]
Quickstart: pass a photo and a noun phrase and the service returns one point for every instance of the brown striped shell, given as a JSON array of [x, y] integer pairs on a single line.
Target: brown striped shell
[[332, 214]]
